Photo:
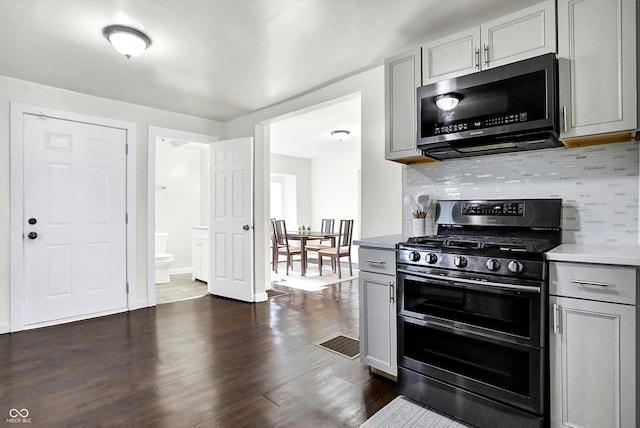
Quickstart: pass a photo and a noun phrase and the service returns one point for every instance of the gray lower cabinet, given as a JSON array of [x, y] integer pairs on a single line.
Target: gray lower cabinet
[[377, 281], [593, 322]]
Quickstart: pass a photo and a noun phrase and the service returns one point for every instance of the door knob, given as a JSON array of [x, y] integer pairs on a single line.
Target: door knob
[[246, 227], [32, 235]]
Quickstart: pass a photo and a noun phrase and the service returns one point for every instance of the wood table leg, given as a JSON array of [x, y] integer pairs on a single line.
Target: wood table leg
[[303, 258]]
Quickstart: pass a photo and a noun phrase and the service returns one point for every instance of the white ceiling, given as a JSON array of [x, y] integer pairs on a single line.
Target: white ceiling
[[308, 135], [220, 59]]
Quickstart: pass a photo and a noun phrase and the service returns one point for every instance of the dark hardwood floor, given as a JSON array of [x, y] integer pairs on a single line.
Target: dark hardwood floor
[[203, 362]]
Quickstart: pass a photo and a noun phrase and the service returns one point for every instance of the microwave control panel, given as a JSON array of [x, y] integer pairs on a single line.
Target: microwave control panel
[[448, 128]]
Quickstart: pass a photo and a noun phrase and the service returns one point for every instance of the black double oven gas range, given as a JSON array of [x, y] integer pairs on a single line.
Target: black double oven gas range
[[472, 311]]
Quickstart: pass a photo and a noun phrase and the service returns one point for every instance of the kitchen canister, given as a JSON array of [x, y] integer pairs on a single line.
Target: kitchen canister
[[418, 226]]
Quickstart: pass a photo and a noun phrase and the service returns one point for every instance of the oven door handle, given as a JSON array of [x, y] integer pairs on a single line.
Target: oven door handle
[[471, 283]]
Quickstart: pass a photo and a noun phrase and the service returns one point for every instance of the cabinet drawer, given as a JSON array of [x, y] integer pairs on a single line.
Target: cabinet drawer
[[377, 260], [605, 283]]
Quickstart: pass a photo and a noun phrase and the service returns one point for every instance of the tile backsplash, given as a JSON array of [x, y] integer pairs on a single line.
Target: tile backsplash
[[598, 186]]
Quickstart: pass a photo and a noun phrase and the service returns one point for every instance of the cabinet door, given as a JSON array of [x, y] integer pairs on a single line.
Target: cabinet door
[[402, 77], [597, 53], [378, 347], [527, 33], [451, 56], [592, 358]]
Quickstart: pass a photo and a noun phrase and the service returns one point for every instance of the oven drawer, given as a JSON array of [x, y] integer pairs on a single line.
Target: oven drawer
[[605, 283], [377, 260]]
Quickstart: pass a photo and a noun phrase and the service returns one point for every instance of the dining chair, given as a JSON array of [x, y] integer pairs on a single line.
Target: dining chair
[[342, 248], [273, 244], [282, 245], [325, 228]]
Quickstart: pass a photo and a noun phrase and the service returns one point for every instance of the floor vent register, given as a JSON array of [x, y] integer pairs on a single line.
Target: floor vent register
[[342, 345]]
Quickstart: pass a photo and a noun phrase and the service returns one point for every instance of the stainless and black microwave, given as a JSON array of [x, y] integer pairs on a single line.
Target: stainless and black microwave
[[503, 109]]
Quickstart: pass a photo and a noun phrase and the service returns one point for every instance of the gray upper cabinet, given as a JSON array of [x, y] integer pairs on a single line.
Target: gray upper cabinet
[[597, 54], [402, 77], [524, 34], [451, 56]]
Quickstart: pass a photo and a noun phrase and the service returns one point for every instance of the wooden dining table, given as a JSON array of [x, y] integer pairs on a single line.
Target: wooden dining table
[[309, 235]]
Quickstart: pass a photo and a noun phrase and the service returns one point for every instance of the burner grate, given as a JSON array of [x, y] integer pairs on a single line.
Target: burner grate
[[479, 242]]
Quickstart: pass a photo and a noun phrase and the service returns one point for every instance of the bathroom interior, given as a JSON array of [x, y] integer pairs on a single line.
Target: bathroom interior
[[181, 213]]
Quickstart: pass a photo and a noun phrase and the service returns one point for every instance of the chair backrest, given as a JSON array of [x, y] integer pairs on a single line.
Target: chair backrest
[[280, 232], [345, 233], [327, 225]]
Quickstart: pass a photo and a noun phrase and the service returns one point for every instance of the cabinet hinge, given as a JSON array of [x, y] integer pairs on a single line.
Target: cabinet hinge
[[126, 218], [126, 149], [127, 288]]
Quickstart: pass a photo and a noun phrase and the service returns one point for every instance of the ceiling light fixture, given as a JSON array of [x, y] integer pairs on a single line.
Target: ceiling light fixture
[[340, 134], [447, 102], [126, 40]]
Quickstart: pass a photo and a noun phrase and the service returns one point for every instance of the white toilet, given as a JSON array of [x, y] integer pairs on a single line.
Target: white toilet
[[163, 259]]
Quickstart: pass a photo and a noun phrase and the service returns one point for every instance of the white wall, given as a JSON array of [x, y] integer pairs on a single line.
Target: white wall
[[35, 94], [334, 191], [301, 170], [178, 197]]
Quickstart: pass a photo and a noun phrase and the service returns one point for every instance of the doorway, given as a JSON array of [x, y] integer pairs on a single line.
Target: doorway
[[72, 238], [181, 219], [178, 201], [313, 175]]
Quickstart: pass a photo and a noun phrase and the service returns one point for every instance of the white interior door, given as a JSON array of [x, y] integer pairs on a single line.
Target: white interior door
[[74, 227], [231, 224]]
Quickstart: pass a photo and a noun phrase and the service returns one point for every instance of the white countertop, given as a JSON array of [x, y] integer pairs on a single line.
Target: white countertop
[[619, 255], [387, 242]]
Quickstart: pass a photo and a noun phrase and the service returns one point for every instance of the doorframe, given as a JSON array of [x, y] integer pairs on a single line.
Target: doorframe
[[18, 110], [155, 132]]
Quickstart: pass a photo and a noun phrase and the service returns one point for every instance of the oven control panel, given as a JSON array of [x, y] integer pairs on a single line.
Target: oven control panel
[[493, 208]]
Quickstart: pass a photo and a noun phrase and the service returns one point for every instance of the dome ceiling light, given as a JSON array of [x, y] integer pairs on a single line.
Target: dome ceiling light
[[126, 40], [340, 134]]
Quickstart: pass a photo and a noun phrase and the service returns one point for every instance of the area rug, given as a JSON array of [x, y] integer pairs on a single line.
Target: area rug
[[312, 281], [342, 345], [404, 413]]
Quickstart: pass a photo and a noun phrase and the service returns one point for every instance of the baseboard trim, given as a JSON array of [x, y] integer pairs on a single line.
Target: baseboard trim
[[180, 271], [261, 297], [5, 328], [141, 304]]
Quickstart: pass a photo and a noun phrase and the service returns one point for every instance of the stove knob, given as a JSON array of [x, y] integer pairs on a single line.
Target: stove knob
[[493, 265], [459, 261], [431, 258], [414, 256], [515, 266]]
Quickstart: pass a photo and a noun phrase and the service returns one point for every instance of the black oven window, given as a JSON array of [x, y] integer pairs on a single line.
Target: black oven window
[[504, 312], [487, 362]]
